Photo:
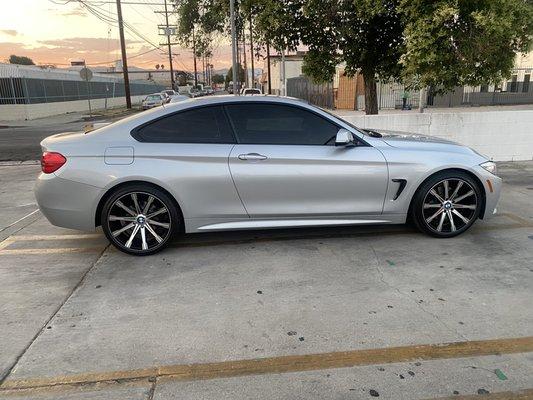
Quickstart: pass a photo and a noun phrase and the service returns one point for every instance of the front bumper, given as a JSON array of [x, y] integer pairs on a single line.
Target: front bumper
[[66, 203], [492, 185]]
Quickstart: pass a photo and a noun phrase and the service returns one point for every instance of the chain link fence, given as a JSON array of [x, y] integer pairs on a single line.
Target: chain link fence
[[33, 91]]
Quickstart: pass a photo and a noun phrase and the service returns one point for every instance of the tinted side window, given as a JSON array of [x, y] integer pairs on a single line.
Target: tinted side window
[[279, 124], [199, 125]]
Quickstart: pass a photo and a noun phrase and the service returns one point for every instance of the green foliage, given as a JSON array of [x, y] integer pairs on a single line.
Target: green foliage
[[366, 35], [20, 60], [218, 79], [464, 42], [240, 74], [278, 22]]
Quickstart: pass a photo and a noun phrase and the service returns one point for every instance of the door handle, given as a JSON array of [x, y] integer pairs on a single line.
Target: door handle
[[252, 157]]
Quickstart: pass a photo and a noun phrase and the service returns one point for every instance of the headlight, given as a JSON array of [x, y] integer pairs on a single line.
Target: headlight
[[489, 166]]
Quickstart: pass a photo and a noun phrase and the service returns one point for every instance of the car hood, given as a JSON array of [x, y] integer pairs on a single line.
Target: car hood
[[417, 142], [398, 138]]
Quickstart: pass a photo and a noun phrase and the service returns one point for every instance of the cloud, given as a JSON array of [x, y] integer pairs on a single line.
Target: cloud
[[9, 32], [102, 50], [75, 12]]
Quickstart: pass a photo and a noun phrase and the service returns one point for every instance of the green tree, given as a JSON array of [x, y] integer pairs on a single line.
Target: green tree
[[240, 74], [218, 79], [464, 42], [20, 60], [442, 43], [367, 35]]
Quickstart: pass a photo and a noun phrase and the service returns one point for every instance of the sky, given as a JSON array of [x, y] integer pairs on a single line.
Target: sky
[[58, 31]]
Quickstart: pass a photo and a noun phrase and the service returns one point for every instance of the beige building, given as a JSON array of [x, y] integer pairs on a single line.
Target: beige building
[[293, 69]]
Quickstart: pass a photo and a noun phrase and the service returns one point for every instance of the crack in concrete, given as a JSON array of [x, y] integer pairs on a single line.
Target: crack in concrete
[[435, 316], [5, 374]]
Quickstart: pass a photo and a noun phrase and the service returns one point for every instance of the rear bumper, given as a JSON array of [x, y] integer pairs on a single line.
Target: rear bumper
[[66, 203]]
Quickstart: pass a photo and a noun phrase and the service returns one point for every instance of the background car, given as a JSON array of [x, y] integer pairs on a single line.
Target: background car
[[178, 98], [250, 91], [194, 92], [153, 100], [255, 162], [169, 92]]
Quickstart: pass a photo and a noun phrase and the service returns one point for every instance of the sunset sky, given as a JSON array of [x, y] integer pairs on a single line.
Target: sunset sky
[[52, 32]]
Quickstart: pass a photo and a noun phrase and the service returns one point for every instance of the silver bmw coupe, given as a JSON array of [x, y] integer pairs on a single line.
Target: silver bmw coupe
[[255, 162]]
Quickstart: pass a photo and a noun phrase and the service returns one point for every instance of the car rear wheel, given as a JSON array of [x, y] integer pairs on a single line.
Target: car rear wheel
[[139, 219], [447, 204]]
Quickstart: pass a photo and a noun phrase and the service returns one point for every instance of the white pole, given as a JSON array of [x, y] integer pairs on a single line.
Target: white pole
[[282, 74], [421, 99], [233, 46]]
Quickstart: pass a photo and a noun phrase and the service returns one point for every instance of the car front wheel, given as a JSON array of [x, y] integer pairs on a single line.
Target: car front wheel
[[447, 204], [139, 219]]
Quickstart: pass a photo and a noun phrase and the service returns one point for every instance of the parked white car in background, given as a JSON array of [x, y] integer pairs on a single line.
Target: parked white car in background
[[153, 100], [250, 91], [178, 98]]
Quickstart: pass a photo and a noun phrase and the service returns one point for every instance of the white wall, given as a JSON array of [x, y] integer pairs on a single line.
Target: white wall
[[18, 112], [500, 135], [293, 69]]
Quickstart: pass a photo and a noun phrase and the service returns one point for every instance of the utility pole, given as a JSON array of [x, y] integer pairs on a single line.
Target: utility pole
[[194, 58], [252, 51], [233, 49], [124, 58], [169, 48]]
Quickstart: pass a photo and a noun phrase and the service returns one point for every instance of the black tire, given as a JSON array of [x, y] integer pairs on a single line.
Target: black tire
[[139, 219], [437, 215]]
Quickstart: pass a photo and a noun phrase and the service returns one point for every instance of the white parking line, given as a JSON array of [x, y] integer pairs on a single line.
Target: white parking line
[[19, 220]]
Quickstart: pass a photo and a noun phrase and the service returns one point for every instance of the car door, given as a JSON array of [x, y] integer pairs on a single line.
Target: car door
[[187, 152], [286, 165]]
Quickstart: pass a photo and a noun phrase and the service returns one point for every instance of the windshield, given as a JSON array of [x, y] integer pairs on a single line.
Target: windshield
[[152, 98]]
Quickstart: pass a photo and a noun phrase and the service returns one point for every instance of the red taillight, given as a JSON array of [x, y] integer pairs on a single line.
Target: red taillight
[[51, 162]]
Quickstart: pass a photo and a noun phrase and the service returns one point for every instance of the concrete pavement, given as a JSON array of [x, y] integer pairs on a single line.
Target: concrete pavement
[[75, 310]]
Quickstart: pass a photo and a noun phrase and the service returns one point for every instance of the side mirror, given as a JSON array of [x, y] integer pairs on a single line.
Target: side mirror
[[344, 138]]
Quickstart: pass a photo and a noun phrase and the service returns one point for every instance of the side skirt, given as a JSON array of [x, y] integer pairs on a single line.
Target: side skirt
[[209, 225]]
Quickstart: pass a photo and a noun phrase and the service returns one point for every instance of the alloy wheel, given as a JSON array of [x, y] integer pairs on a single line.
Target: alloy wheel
[[450, 206], [139, 221]]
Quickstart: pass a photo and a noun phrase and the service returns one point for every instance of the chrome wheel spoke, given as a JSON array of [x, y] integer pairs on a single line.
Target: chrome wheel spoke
[[441, 222], [127, 209], [452, 223], [436, 195], [446, 189], [157, 223], [154, 234], [123, 229], [115, 218], [143, 237], [148, 204], [464, 196], [459, 185], [469, 207], [160, 211], [465, 220], [426, 206], [428, 220], [136, 202], [130, 240]]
